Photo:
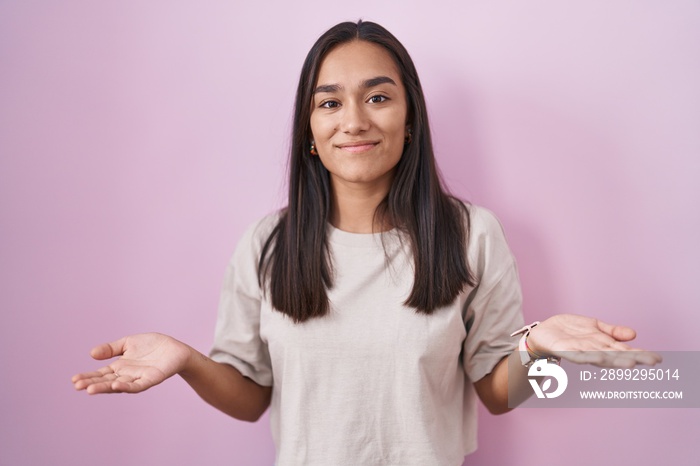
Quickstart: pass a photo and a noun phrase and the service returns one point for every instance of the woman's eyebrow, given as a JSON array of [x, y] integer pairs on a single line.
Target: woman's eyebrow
[[366, 84], [377, 81], [327, 88]]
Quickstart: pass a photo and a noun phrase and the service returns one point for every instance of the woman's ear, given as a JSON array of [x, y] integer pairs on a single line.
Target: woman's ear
[[312, 148]]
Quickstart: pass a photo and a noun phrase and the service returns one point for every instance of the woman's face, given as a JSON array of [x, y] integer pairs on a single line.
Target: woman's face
[[358, 116]]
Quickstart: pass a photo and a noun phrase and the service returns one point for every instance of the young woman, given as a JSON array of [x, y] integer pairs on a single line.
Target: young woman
[[372, 311]]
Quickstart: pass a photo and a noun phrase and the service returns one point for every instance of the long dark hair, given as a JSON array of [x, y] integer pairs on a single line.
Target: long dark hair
[[295, 258]]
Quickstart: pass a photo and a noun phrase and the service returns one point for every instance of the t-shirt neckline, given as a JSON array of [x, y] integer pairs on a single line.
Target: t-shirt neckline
[[359, 240]]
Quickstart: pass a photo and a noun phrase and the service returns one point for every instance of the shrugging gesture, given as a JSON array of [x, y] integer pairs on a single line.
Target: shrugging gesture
[[579, 339], [144, 360], [148, 359], [586, 340]]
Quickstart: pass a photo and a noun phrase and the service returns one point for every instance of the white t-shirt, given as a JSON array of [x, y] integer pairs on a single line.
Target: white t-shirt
[[373, 382]]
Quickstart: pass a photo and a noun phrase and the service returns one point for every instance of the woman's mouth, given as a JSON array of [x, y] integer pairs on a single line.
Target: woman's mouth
[[358, 147]]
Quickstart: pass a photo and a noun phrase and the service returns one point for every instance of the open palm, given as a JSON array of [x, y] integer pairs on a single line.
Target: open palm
[[586, 340], [145, 360]]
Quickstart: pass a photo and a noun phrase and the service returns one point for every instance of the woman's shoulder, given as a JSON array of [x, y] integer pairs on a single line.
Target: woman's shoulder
[[487, 241], [263, 226], [258, 232], [483, 220], [480, 220]]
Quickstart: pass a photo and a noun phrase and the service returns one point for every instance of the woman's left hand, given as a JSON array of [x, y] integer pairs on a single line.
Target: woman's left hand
[[586, 340]]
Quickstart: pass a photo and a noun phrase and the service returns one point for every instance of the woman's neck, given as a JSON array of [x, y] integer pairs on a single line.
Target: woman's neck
[[353, 209]]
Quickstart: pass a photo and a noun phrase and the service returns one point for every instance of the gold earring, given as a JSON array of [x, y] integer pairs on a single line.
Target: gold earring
[[409, 137], [312, 149]]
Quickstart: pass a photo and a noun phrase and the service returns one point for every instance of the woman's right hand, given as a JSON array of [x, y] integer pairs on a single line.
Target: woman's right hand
[[145, 360]]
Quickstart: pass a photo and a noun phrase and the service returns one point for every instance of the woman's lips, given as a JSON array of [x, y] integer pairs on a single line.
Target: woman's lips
[[361, 147]]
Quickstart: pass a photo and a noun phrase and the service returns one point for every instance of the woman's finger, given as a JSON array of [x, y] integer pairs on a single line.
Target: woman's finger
[[618, 332], [85, 375], [108, 350], [101, 387]]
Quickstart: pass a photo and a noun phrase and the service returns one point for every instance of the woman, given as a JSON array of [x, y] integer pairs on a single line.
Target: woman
[[372, 311]]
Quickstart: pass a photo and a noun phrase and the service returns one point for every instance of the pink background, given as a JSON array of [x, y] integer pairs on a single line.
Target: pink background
[[139, 139]]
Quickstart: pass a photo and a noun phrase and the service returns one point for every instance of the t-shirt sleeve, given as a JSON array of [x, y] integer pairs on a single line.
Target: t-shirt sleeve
[[237, 337], [493, 309]]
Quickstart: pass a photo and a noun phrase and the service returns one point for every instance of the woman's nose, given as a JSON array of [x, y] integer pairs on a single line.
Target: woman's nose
[[354, 119]]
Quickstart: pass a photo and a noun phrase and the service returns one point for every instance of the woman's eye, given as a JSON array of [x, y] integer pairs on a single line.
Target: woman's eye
[[329, 104], [377, 99]]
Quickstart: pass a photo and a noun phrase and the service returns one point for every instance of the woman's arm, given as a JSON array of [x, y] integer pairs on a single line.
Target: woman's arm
[[580, 339], [225, 388], [493, 387], [148, 359]]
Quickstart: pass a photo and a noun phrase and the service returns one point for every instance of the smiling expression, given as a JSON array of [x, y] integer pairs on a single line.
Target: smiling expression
[[358, 117]]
